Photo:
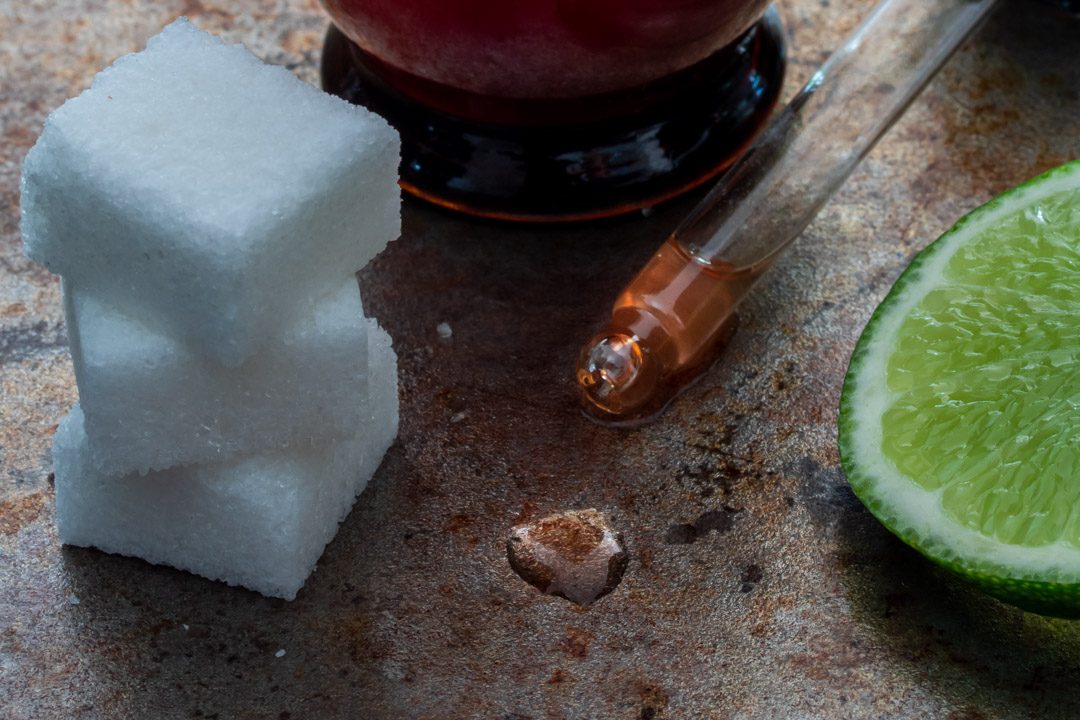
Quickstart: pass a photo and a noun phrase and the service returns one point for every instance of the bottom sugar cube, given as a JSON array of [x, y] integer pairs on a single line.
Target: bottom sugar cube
[[259, 521]]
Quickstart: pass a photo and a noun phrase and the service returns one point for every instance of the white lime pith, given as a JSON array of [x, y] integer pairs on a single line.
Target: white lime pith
[[960, 414]]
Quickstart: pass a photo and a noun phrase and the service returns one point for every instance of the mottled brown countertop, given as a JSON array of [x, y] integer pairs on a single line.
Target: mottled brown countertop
[[795, 604]]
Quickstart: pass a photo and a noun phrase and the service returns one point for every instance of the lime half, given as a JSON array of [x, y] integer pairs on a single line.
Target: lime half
[[960, 414]]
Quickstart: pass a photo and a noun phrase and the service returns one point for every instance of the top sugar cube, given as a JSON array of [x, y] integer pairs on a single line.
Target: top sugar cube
[[208, 192]]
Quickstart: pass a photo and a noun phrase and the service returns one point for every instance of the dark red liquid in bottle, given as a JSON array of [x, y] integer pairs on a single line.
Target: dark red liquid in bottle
[[558, 109]]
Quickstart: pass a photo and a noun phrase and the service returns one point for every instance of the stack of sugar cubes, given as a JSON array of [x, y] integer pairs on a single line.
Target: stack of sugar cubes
[[207, 214]]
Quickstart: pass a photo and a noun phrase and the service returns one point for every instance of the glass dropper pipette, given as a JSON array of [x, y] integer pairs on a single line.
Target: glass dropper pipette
[[670, 322]]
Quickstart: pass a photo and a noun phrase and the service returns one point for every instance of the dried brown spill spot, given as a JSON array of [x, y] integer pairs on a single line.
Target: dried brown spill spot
[[654, 699], [718, 521], [577, 642], [574, 555], [16, 514], [457, 522], [197, 8]]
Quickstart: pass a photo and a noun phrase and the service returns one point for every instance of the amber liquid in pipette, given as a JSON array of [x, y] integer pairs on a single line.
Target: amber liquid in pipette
[[681, 312]]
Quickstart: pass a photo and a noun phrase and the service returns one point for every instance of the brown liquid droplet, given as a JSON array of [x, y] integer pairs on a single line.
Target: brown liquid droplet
[[573, 555]]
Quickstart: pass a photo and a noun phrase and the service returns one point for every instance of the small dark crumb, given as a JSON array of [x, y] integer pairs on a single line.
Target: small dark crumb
[[752, 574], [750, 577]]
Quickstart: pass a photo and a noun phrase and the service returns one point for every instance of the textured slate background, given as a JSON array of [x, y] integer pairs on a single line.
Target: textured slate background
[[796, 604]]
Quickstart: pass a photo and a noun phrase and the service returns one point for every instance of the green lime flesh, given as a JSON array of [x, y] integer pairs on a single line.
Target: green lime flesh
[[960, 415]]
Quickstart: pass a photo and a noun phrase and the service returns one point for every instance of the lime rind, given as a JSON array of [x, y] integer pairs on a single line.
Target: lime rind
[[1044, 577]]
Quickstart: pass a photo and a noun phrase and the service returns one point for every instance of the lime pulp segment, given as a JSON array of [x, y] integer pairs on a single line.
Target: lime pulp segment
[[960, 417]]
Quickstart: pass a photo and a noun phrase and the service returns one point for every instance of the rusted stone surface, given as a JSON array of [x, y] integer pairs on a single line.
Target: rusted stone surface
[[790, 601]]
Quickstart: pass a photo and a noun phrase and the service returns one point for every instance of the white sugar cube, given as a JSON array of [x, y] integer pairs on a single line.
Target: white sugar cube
[[151, 402], [209, 192], [261, 522]]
